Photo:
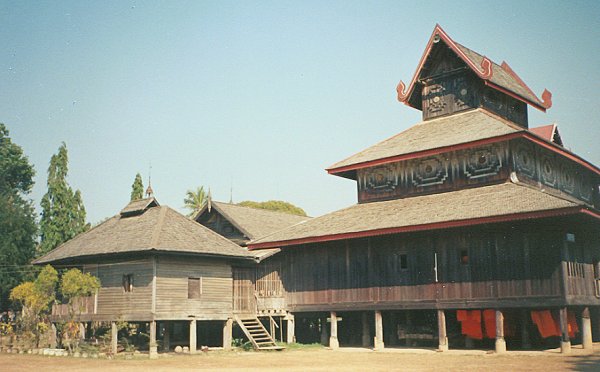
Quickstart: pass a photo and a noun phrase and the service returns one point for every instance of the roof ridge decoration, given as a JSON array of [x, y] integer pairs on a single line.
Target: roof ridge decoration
[[484, 70]]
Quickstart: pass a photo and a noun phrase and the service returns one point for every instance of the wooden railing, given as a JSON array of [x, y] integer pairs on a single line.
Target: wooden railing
[[81, 305], [580, 280]]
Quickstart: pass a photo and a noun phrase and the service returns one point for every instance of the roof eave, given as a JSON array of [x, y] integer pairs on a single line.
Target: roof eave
[[430, 226]]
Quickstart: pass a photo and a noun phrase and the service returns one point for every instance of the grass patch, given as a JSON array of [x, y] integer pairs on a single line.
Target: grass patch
[[297, 346]]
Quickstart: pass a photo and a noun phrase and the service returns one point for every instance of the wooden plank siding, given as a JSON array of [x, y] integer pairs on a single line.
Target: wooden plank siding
[[216, 289], [113, 301], [504, 266]]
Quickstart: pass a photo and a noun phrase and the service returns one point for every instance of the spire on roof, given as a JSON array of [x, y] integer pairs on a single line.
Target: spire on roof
[[149, 191], [209, 201]]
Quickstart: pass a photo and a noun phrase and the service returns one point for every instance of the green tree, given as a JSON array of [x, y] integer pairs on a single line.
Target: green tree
[[36, 298], [63, 213], [73, 285], [195, 199], [137, 188], [274, 205], [18, 229]]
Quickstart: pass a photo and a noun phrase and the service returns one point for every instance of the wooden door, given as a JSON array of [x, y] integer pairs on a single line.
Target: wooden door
[[244, 300]]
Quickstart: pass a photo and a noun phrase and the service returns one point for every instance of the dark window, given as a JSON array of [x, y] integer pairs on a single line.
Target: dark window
[[128, 283], [464, 257], [194, 288], [403, 259]]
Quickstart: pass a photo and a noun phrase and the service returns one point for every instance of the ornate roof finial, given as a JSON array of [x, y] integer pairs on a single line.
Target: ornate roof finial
[[149, 191]]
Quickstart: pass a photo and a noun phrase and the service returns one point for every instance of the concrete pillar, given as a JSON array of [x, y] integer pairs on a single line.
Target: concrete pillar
[[291, 329], [586, 329], [366, 332], [378, 340], [153, 350], [227, 334], [53, 336], [442, 335], [324, 334], [525, 340], [565, 341], [114, 334], [193, 337], [166, 337], [500, 342], [333, 339]]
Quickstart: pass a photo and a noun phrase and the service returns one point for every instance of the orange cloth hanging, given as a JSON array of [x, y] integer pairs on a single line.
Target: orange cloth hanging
[[489, 319], [572, 322], [545, 322], [461, 315], [470, 323]]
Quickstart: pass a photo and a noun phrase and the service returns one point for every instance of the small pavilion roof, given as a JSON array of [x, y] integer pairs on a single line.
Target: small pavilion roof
[[549, 133], [152, 228], [486, 204]]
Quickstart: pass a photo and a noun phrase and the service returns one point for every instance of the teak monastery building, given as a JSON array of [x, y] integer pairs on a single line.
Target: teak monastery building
[[471, 230]]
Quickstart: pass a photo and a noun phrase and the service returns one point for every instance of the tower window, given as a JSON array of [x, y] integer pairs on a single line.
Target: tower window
[[128, 283], [464, 257]]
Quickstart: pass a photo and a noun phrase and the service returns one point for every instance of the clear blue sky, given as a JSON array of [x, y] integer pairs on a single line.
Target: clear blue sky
[[259, 95]]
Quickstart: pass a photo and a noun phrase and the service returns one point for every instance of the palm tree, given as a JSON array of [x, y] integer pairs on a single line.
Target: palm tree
[[195, 200]]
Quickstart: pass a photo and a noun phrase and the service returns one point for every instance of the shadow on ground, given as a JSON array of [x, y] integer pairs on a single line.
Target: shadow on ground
[[586, 362]]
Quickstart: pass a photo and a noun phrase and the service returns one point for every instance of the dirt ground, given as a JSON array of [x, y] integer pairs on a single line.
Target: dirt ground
[[344, 359]]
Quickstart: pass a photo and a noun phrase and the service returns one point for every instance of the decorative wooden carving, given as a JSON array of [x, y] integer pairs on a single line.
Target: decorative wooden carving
[[481, 162], [429, 171], [402, 92], [567, 183], [381, 179], [524, 159], [547, 99], [549, 172]]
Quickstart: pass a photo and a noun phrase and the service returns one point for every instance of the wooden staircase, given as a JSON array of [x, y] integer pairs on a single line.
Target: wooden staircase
[[256, 333]]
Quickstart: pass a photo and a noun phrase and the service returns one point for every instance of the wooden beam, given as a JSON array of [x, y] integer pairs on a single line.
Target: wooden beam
[[442, 335], [378, 341], [586, 329], [333, 338], [500, 342], [565, 342], [193, 337]]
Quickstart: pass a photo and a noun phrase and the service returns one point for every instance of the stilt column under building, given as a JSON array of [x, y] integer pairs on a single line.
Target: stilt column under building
[[565, 341], [227, 334], [166, 337], [291, 329], [500, 342], [525, 341], [114, 332], [324, 335], [193, 337], [53, 336], [586, 329], [366, 332], [442, 335], [153, 351], [378, 340], [333, 336]]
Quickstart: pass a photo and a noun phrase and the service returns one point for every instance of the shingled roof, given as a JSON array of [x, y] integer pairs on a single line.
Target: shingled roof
[[145, 229], [464, 127], [253, 222], [473, 206]]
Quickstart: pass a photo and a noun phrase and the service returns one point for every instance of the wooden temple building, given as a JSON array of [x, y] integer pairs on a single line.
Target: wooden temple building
[[471, 230]]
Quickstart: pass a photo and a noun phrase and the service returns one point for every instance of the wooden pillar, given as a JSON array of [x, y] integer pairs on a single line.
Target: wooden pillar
[[442, 335], [82, 331], [408, 327], [333, 339], [53, 336], [291, 329], [525, 341], [227, 334], [378, 340], [565, 341], [193, 337], [153, 350], [366, 332], [324, 335], [114, 333], [586, 329], [166, 337], [392, 336], [500, 342]]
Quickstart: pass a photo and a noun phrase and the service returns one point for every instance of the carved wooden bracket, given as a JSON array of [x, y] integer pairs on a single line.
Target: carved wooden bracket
[[547, 99], [486, 66], [402, 93]]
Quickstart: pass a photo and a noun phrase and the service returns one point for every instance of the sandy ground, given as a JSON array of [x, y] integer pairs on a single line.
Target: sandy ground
[[344, 359]]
